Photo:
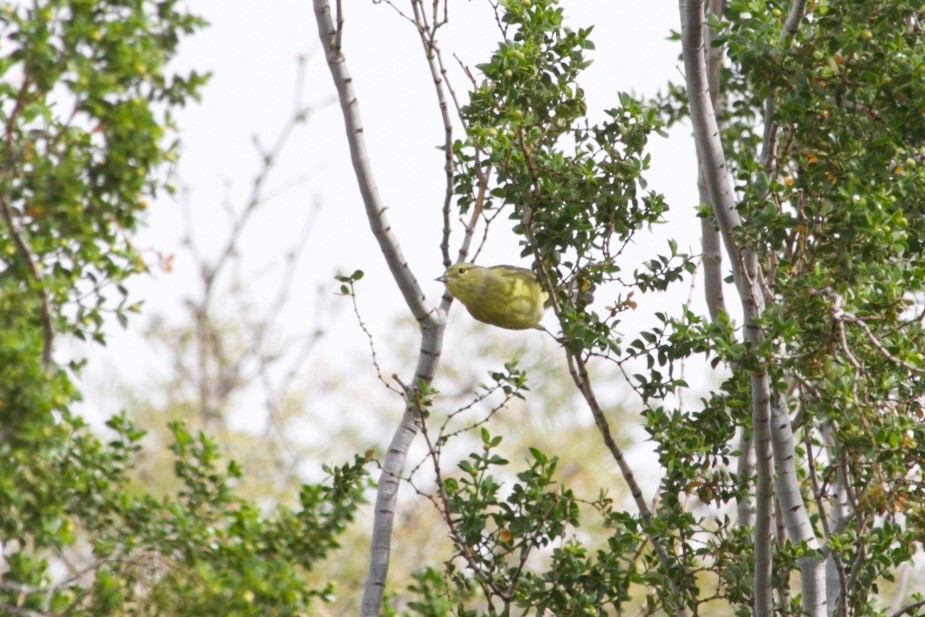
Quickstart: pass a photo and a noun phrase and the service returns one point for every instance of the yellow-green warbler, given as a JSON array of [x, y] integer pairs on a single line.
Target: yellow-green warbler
[[504, 296]]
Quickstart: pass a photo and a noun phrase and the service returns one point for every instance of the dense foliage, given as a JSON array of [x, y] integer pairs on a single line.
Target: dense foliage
[[821, 110], [85, 103], [824, 132]]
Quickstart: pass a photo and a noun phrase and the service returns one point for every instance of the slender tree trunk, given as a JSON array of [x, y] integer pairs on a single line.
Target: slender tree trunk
[[836, 580], [747, 276], [713, 253], [431, 319], [793, 510]]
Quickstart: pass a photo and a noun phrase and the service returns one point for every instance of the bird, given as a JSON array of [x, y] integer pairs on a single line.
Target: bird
[[503, 296]]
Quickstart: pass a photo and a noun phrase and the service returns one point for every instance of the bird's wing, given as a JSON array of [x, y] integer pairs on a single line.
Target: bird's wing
[[517, 269]]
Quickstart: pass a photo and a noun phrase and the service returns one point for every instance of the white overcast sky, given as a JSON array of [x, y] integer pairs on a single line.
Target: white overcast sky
[[250, 47]]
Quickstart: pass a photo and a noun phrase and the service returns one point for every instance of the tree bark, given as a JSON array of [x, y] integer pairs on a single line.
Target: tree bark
[[793, 510], [431, 319], [745, 271]]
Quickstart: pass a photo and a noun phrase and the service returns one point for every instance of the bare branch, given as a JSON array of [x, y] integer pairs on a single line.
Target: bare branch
[[745, 509], [427, 32], [339, 29], [431, 319], [712, 260], [793, 510], [797, 8], [370, 340], [712, 253], [375, 208], [257, 198]]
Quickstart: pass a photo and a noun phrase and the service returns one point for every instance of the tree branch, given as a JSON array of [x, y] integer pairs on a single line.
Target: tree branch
[[32, 265], [793, 510], [835, 581], [748, 282], [907, 610], [578, 370], [745, 271], [375, 208], [712, 253], [430, 319], [769, 136], [427, 31]]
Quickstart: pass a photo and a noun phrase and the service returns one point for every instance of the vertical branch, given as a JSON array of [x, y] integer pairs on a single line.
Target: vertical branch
[[836, 579], [745, 509], [764, 494], [712, 258], [430, 319], [745, 270], [712, 253], [769, 135], [747, 277], [793, 510], [427, 31], [783, 592], [375, 208]]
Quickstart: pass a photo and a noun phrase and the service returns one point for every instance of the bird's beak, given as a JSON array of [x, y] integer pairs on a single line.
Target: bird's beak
[[441, 279]]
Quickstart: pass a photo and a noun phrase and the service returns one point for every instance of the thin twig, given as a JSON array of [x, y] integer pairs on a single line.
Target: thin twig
[[370, 340], [907, 610], [840, 315], [427, 32]]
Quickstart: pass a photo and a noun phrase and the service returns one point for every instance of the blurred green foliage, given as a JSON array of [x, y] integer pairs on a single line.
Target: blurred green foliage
[[86, 105]]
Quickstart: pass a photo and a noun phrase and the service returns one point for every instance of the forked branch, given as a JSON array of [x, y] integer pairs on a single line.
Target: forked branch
[[430, 318], [747, 276]]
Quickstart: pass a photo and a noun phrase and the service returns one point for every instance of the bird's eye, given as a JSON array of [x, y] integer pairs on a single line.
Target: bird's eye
[[462, 270]]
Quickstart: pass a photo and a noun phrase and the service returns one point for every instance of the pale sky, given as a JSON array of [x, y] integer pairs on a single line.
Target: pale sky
[[251, 47]]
